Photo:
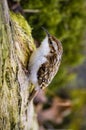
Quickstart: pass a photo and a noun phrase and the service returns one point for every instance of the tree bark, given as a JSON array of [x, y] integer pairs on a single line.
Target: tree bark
[[16, 46]]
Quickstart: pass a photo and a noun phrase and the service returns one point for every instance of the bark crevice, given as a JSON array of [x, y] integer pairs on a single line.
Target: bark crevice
[[16, 46]]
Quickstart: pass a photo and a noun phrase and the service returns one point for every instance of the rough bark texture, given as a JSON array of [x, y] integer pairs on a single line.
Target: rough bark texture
[[16, 46]]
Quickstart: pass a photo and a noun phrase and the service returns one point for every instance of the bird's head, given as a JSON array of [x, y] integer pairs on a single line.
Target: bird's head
[[54, 44]]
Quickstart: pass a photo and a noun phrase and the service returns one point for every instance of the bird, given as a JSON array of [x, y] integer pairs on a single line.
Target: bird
[[44, 63]]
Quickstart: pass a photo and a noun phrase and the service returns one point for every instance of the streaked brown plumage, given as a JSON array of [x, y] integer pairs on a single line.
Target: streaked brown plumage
[[44, 62]]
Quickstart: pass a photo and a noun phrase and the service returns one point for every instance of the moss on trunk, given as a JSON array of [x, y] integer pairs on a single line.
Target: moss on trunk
[[16, 46]]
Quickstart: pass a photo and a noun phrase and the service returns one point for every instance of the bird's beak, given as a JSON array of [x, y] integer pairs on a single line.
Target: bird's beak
[[47, 33]]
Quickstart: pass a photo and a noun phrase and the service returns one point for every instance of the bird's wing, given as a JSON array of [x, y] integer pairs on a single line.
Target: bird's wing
[[47, 71]]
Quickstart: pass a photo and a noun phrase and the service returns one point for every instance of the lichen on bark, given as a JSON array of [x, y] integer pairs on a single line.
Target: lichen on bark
[[16, 46]]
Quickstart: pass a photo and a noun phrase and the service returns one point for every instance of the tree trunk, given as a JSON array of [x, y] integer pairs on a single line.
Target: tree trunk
[[16, 46]]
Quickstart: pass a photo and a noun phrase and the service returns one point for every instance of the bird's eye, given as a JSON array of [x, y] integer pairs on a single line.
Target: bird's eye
[[50, 41]]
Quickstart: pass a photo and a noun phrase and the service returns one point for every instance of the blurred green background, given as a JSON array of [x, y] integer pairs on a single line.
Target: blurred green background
[[65, 19]]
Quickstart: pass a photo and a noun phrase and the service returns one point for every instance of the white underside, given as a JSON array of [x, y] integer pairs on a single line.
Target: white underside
[[38, 58]]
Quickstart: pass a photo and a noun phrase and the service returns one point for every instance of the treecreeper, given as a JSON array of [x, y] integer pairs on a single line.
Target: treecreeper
[[44, 63]]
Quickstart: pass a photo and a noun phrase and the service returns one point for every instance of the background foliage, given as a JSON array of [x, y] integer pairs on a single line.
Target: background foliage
[[65, 20]]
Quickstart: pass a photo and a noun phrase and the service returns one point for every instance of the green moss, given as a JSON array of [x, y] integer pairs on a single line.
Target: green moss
[[22, 22], [23, 39]]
